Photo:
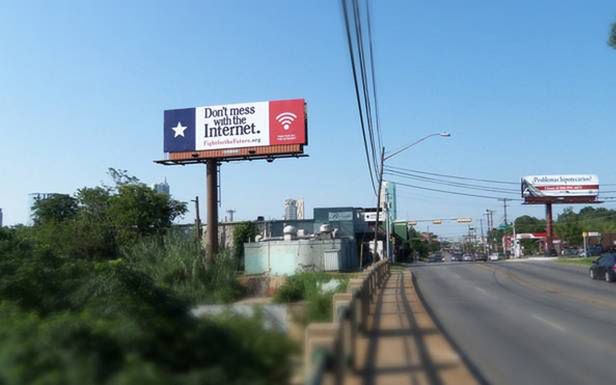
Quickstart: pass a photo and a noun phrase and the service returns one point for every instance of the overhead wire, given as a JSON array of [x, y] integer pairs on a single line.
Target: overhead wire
[[357, 94], [455, 176], [453, 192], [374, 91], [451, 183]]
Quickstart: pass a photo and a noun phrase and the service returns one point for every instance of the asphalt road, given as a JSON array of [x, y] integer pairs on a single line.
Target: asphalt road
[[526, 322]]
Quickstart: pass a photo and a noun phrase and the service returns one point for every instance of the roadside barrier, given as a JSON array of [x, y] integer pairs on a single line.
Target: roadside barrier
[[329, 347]]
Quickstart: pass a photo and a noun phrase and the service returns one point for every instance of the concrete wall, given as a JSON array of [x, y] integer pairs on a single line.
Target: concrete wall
[[289, 257]]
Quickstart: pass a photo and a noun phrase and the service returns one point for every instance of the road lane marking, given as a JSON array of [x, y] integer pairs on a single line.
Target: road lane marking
[[483, 291], [548, 322], [538, 285]]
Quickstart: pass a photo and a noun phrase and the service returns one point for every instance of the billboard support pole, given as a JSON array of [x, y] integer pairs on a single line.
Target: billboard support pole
[[549, 234], [212, 210]]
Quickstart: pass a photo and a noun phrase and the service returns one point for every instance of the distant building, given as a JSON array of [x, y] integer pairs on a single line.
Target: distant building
[[32, 199], [162, 188], [300, 209], [290, 209], [388, 200]]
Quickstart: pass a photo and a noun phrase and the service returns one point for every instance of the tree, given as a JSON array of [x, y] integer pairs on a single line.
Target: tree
[[121, 177], [612, 39], [137, 211], [568, 228], [97, 222], [55, 208], [242, 233], [528, 224]]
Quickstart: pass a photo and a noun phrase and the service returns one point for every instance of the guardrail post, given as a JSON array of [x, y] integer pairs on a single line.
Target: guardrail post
[[319, 339], [343, 315]]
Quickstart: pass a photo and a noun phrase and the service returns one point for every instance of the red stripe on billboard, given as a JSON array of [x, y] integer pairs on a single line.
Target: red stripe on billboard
[[568, 187], [287, 122]]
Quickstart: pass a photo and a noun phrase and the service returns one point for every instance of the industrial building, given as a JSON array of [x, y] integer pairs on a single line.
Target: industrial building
[[334, 240]]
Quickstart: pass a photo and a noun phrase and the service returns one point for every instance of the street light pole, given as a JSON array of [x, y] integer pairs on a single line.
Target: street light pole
[[378, 201], [380, 184]]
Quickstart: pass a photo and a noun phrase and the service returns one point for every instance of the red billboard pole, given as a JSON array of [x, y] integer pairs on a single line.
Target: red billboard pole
[[549, 233]]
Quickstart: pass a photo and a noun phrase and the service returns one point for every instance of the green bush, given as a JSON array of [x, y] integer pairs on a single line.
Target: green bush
[[242, 233], [79, 348], [306, 286], [81, 321], [177, 262]]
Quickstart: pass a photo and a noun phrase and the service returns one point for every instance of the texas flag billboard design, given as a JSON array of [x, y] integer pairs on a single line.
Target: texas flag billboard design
[[235, 126]]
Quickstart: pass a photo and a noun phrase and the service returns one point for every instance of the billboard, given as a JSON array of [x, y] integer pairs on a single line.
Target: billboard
[[241, 130], [560, 188]]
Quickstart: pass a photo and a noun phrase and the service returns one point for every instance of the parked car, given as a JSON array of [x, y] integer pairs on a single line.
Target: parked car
[[456, 257], [494, 257], [570, 252], [435, 258], [467, 257], [604, 268], [480, 257], [592, 251]]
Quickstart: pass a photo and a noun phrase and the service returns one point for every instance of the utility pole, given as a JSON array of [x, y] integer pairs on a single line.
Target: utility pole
[[483, 245], [231, 212], [490, 218], [380, 177], [505, 208], [197, 218], [378, 202]]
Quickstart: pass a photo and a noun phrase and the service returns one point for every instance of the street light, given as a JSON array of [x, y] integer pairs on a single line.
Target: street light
[[443, 134]]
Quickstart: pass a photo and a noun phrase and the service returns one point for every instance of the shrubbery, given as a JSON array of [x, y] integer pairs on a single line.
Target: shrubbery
[[177, 262], [99, 292], [307, 286]]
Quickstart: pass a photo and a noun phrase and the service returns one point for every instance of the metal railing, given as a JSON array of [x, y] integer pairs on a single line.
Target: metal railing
[[329, 348]]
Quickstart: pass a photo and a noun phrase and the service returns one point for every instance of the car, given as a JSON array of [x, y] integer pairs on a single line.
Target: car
[[494, 257], [604, 268], [455, 257], [591, 251], [570, 252], [435, 258], [467, 257], [480, 257]]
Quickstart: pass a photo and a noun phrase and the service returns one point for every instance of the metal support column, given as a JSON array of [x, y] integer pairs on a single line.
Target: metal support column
[[549, 232], [212, 210]]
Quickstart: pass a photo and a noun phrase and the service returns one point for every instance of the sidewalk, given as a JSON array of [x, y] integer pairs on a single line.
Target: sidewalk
[[403, 345]]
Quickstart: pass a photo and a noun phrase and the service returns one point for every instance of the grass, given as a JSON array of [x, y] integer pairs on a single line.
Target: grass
[[177, 264], [306, 286], [580, 261]]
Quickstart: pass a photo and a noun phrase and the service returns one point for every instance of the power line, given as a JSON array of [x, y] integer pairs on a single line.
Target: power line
[[450, 192], [371, 54], [455, 176], [355, 80], [450, 183], [364, 84]]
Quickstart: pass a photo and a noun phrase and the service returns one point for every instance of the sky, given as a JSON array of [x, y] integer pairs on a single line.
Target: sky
[[524, 87]]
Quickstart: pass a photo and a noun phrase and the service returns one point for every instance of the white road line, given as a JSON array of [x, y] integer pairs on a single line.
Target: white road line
[[484, 292], [456, 275], [549, 323]]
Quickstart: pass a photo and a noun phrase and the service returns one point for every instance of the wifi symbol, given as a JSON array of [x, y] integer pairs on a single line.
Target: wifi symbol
[[286, 119]]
